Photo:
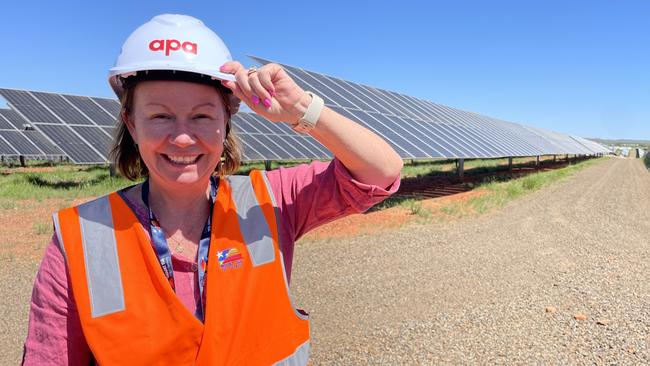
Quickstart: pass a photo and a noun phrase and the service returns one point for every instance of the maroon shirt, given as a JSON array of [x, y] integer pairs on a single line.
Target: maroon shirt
[[307, 195]]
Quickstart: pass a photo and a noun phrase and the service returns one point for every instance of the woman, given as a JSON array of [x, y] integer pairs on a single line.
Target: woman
[[192, 266]]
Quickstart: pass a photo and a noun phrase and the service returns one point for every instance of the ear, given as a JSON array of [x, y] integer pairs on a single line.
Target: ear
[[128, 121]]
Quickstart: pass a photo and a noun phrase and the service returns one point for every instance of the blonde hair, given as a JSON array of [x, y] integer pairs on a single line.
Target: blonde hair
[[125, 155]]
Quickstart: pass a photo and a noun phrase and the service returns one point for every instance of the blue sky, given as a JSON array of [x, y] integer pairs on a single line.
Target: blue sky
[[579, 67]]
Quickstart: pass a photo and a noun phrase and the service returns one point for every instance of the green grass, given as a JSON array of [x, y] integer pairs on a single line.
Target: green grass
[[415, 207], [42, 228], [66, 181], [500, 193]]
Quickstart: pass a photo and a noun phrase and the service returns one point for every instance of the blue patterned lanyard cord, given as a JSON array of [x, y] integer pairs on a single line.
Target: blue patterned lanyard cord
[[159, 243]]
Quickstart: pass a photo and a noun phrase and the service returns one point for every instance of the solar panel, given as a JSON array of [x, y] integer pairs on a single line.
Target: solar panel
[[111, 106], [385, 133], [28, 105], [262, 138], [442, 135], [109, 130], [14, 118], [428, 128], [5, 148], [423, 142], [258, 148], [364, 96], [82, 127], [4, 124], [64, 110], [20, 143], [96, 137], [276, 136], [593, 146], [438, 147], [76, 134], [91, 109], [248, 152], [317, 146], [45, 145], [71, 144], [392, 131], [302, 79], [303, 150]]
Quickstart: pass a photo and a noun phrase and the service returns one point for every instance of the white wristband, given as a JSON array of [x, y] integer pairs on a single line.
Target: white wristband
[[307, 122]]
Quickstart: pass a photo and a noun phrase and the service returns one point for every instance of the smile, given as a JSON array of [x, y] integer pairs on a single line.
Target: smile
[[182, 159]]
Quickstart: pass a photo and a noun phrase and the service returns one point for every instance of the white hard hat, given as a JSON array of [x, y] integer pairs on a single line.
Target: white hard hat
[[171, 42]]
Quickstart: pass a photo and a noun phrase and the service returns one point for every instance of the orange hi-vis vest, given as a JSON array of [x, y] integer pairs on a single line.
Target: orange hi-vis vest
[[131, 316]]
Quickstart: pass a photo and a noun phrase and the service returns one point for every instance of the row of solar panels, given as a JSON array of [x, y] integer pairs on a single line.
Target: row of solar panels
[[81, 128], [419, 128]]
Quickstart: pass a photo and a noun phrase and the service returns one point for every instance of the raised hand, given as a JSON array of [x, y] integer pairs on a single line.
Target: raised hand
[[268, 91]]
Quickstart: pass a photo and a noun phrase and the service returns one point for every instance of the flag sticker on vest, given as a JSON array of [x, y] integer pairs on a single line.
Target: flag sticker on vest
[[229, 258]]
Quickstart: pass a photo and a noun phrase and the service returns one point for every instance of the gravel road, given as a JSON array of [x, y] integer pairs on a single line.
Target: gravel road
[[500, 288]]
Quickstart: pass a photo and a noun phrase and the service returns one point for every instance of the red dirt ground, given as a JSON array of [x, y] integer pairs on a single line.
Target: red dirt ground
[[34, 169], [378, 221], [27, 228]]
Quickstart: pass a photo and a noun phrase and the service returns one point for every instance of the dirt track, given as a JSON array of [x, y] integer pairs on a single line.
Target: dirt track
[[476, 290], [473, 290]]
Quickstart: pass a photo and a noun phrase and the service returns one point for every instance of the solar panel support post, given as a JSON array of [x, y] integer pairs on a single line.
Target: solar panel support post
[[460, 163], [537, 162], [22, 160], [510, 163], [111, 170], [267, 165]]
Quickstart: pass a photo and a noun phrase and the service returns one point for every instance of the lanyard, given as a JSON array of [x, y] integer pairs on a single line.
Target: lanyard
[[159, 243]]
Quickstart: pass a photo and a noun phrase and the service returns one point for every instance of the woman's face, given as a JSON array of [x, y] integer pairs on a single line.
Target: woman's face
[[180, 129]]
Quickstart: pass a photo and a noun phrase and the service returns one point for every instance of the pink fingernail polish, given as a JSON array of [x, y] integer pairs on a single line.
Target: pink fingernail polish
[[221, 68], [267, 102], [255, 99]]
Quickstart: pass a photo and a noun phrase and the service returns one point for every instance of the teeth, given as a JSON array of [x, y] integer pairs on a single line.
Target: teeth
[[183, 159]]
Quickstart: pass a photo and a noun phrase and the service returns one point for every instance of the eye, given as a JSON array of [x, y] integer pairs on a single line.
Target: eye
[[202, 116], [160, 116]]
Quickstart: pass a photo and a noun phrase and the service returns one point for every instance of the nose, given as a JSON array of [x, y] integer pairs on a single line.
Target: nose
[[182, 134]]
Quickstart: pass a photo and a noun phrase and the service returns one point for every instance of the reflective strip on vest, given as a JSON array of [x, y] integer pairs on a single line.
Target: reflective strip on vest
[[100, 258], [298, 358], [252, 223], [284, 271], [286, 286], [57, 230], [268, 188]]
